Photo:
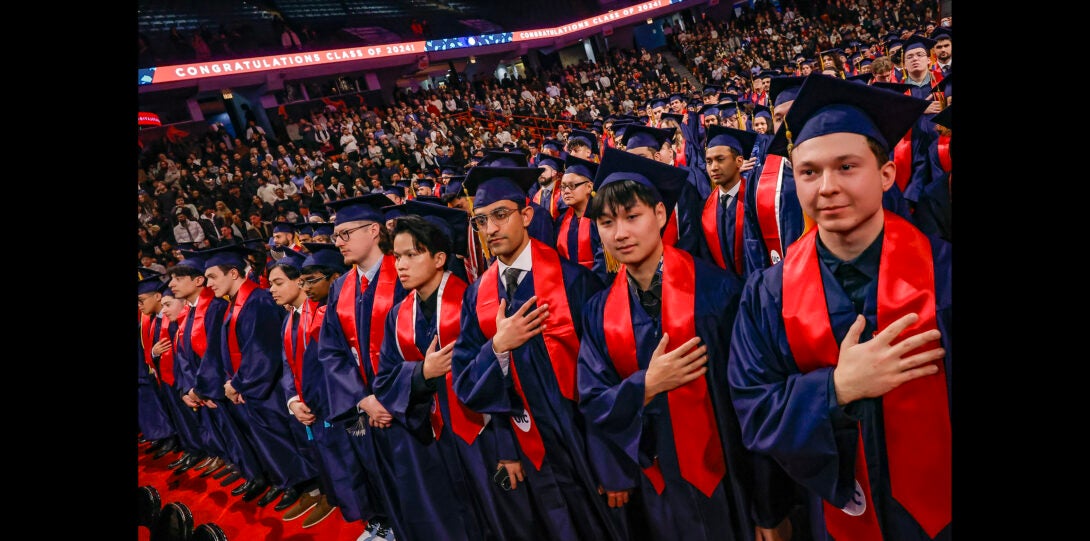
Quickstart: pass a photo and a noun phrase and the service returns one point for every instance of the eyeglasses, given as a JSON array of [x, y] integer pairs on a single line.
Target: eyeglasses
[[308, 282], [343, 235], [498, 217], [912, 56], [571, 187]]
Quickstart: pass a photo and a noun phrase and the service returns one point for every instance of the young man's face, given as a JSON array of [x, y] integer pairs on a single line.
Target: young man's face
[[506, 237], [722, 165], [575, 189], [284, 290], [362, 237], [172, 308], [220, 281], [316, 285], [184, 286], [632, 235], [415, 267], [149, 303], [839, 182]]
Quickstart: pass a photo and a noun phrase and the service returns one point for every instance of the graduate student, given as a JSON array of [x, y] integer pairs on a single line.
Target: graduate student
[[204, 312], [664, 440], [348, 349], [576, 235], [515, 359], [722, 217], [427, 474], [839, 361], [153, 415]]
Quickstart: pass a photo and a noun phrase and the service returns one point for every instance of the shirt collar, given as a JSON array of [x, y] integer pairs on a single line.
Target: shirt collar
[[733, 191], [866, 262], [523, 262], [655, 281], [371, 272]]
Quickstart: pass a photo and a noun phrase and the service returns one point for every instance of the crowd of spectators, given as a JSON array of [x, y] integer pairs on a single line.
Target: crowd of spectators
[[235, 187]]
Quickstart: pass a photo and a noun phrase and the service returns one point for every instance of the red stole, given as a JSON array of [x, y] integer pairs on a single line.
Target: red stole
[[679, 155], [696, 432], [166, 360], [294, 355], [944, 153], [669, 233], [559, 334], [146, 341], [552, 205], [383, 302], [916, 414], [585, 254], [198, 336], [244, 291], [466, 423], [711, 227], [769, 186]]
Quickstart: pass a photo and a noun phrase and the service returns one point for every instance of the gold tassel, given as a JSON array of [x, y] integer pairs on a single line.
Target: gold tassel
[[480, 236]]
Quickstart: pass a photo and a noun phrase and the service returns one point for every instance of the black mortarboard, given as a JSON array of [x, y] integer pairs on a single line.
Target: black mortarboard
[[495, 158], [675, 97], [942, 32], [665, 180], [429, 199], [232, 255], [739, 140], [639, 135], [304, 228], [784, 89], [322, 228], [364, 207], [394, 211], [711, 89], [830, 105], [918, 41], [283, 227], [453, 222], [761, 110], [325, 254], [590, 138], [552, 144], [710, 109], [657, 102], [580, 166], [490, 184], [149, 284], [292, 258], [552, 161], [899, 88]]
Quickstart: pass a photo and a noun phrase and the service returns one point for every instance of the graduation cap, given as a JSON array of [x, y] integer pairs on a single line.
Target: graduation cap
[[942, 32], [403, 184], [291, 258], [256, 246], [426, 183], [453, 189], [765, 74], [657, 102], [865, 62], [364, 207], [552, 144], [945, 117], [391, 212], [231, 255], [665, 181], [494, 158], [762, 111], [325, 254], [508, 146], [490, 184], [579, 166], [453, 222], [675, 97], [710, 109], [899, 88], [149, 284], [428, 199], [322, 228], [283, 227], [784, 89], [620, 127], [862, 78], [552, 161], [589, 138], [739, 140], [711, 89], [191, 259], [918, 41], [727, 96], [674, 116], [450, 170], [830, 105], [639, 135], [696, 102], [304, 228]]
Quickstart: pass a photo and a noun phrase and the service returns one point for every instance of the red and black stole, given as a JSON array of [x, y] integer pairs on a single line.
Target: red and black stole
[[710, 224], [696, 431], [584, 251], [466, 423], [916, 414], [559, 334]]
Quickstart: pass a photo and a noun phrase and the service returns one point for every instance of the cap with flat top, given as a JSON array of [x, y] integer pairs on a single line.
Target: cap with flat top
[[827, 105], [784, 89], [454, 223], [494, 158], [579, 166], [740, 141], [364, 207], [324, 254], [231, 255], [665, 181], [556, 164], [489, 184], [586, 137], [639, 135]]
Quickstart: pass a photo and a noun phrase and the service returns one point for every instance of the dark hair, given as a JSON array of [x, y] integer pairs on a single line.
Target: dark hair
[[291, 271], [324, 270], [617, 195], [426, 235], [185, 270]]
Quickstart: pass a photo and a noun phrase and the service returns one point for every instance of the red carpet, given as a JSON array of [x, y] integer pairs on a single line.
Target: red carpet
[[240, 520]]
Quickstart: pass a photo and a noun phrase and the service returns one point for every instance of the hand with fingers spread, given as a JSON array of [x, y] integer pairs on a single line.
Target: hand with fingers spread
[[437, 361], [162, 346], [516, 330], [876, 367], [377, 415], [668, 371]]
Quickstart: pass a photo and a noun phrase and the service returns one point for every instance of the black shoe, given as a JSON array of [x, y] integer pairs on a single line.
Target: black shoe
[[170, 446], [288, 499], [231, 478], [181, 460], [229, 469], [239, 490], [141, 440], [269, 496], [256, 490], [155, 445], [188, 464]]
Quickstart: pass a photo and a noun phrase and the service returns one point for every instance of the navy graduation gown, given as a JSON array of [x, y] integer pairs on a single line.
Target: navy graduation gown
[[626, 435], [596, 249], [690, 234], [432, 499], [259, 333], [794, 416], [187, 365], [563, 492], [152, 417], [344, 387], [184, 418]]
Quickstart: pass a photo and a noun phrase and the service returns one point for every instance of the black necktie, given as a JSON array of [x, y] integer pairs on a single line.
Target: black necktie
[[511, 280], [545, 193], [294, 328], [854, 283]]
